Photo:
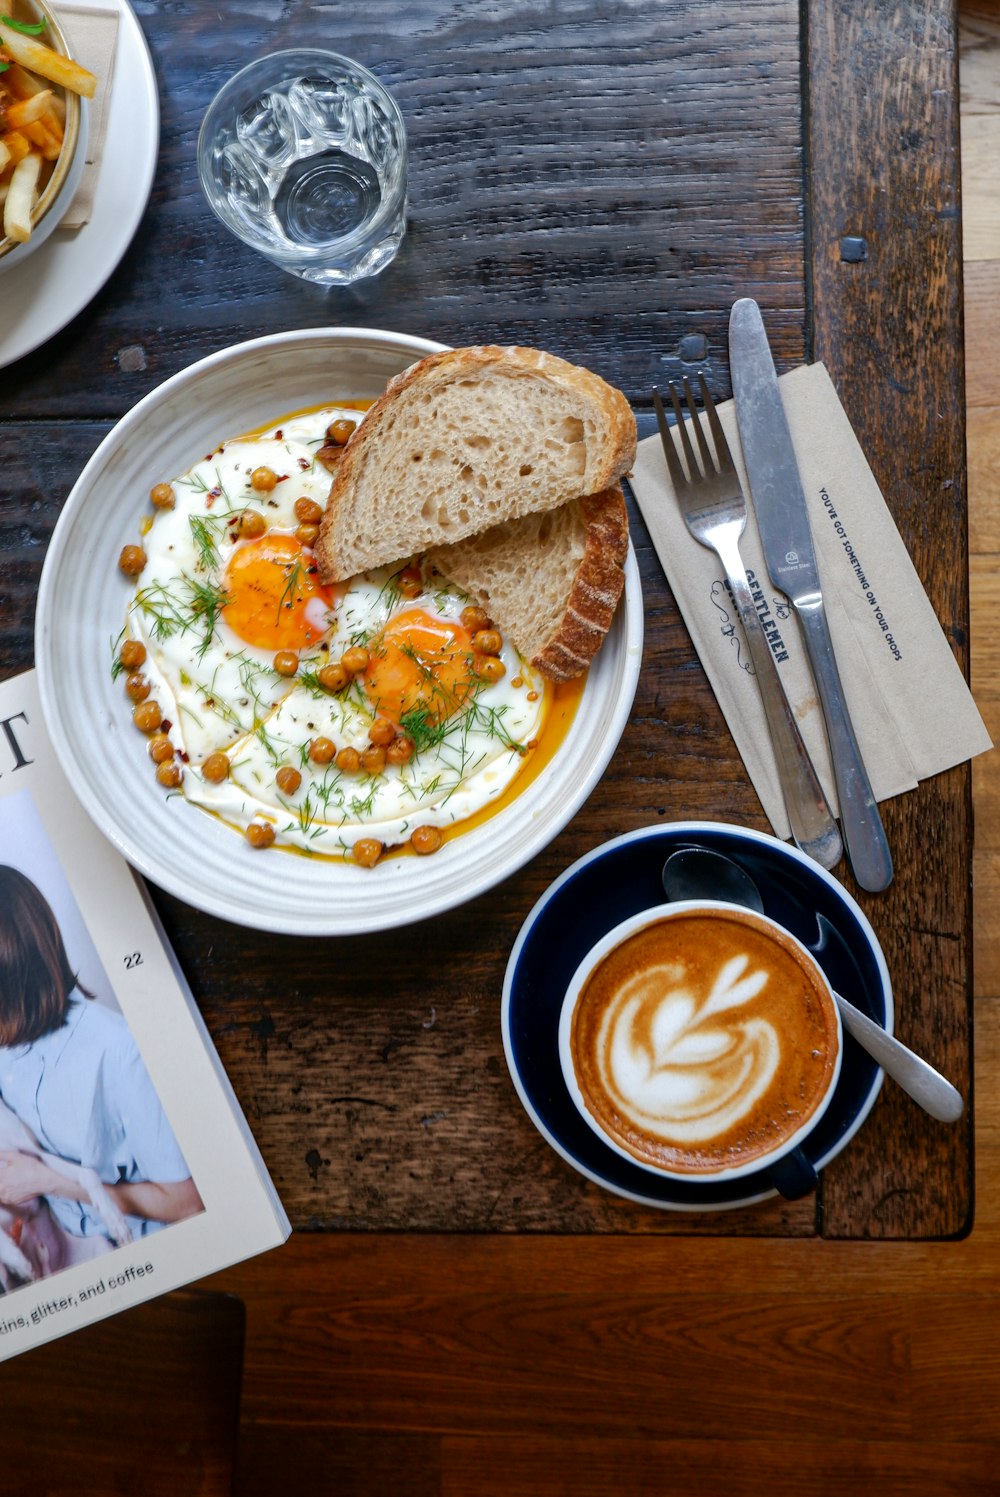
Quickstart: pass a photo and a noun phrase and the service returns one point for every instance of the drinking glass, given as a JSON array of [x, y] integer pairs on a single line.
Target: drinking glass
[[302, 155]]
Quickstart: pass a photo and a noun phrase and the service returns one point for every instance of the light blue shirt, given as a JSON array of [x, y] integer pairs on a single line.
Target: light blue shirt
[[86, 1095]]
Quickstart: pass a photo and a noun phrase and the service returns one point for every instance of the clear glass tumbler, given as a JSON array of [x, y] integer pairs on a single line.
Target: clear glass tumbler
[[302, 155]]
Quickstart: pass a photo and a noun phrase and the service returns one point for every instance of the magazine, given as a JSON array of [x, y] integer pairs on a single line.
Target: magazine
[[126, 1165]]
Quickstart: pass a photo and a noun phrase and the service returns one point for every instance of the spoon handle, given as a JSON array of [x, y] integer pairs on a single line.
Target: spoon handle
[[919, 1080]]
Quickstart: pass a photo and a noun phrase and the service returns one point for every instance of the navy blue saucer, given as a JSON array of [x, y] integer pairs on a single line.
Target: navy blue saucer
[[623, 877]]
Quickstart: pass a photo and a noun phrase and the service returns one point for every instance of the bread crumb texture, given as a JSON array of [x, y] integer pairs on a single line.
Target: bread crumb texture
[[467, 440]]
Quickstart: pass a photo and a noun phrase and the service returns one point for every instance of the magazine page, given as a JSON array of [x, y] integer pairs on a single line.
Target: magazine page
[[126, 1165]]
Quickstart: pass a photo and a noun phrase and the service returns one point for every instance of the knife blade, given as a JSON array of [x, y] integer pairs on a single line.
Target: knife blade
[[783, 521]]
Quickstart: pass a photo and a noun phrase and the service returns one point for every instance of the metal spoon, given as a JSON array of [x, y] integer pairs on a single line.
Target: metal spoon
[[699, 873]]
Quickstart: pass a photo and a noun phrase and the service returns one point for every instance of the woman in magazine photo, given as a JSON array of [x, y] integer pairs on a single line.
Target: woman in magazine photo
[[88, 1160]]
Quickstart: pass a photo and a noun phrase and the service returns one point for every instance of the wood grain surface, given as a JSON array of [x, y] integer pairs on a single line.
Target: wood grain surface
[[148, 1401], [601, 181]]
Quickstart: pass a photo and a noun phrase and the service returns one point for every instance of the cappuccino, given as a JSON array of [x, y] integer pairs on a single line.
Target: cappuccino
[[702, 1042]]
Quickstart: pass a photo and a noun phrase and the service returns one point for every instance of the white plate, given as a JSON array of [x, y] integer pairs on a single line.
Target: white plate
[[47, 290], [81, 609]]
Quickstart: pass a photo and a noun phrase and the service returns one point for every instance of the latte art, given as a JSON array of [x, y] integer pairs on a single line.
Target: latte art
[[703, 1041], [681, 1069]]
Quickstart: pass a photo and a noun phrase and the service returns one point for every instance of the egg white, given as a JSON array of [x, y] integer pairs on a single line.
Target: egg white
[[219, 693], [218, 684]]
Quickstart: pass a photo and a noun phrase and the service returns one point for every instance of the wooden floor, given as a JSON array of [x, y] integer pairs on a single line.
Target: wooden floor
[[464, 1365]]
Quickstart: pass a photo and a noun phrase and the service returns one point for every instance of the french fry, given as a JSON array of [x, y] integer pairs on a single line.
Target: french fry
[[34, 118], [38, 58], [21, 198], [47, 141], [26, 111], [16, 144], [21, 83]]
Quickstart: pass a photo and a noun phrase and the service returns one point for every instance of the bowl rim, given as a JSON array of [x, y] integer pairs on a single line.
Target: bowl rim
[[402, 900]]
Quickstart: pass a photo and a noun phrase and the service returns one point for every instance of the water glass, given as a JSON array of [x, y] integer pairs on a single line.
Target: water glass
[[302, 155]]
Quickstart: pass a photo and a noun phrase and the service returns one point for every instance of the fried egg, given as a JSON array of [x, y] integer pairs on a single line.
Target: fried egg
[[240, 637]]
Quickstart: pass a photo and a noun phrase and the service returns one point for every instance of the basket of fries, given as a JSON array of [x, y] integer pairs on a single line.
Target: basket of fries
[[43, 134]]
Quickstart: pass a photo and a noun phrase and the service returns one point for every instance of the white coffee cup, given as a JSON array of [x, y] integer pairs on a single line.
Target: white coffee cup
[[702, 1041]]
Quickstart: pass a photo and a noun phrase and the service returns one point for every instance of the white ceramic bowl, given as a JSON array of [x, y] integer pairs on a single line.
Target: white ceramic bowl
[[81, 610], [58, 192]]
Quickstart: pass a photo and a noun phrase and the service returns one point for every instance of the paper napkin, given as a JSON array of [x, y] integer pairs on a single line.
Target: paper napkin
[[92, 35], [912, 711]]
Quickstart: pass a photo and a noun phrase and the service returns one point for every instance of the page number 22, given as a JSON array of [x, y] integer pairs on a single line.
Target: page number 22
[[133, 959]]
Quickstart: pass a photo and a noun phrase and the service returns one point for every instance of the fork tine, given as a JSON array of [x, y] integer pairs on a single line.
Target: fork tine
[[677, 476], [726, 464], [692, 461], [707, 460]]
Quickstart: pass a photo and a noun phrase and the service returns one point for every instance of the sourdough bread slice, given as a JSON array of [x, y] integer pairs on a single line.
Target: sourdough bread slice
[[550, 581], [465, 440]]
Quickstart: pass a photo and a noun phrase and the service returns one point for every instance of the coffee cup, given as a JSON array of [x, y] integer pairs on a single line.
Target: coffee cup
[[702, 1041]]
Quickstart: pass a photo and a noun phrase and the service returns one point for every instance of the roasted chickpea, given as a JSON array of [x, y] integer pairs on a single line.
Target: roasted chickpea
[[308, 511], [426, 839], [307, 534], [367, 852], [333, 677], [263, 480], [288, 779], [339, 431], [132, 560], [400, 750], [373, 759], [349, 760], [147, 717], [160, 748], [411, 584], [216, 768], [322, 750], [474, 618], [490, 668], [286, 662], [382, 732], [162, 496], [132, 654], [355, 659], [137, 688], [168, 774], [487, 641], [260, 834], [252, 524]]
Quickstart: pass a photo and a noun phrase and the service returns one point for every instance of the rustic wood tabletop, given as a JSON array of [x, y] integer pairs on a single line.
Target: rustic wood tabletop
[[601, 180]]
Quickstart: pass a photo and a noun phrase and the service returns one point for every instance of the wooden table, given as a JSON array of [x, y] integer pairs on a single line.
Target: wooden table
[[601, 178]]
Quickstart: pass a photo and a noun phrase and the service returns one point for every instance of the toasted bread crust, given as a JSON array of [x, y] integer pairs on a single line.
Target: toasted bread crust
[[361, 529], [596, 590], [579, 572]]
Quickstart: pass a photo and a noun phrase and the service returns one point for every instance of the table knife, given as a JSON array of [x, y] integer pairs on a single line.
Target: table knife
[[783, 521]]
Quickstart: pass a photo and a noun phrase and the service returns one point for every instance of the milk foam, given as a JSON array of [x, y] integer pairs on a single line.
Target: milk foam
[[684, 1064]]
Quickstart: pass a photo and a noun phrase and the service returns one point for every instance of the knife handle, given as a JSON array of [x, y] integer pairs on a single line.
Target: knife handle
[[814, 829], [864, 834]]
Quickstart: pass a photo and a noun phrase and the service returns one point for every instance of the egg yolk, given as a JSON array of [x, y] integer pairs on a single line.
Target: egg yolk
[[276, 601], [420, 664]]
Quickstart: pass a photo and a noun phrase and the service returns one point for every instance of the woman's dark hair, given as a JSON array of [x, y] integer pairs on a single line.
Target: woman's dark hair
[[36, 978]]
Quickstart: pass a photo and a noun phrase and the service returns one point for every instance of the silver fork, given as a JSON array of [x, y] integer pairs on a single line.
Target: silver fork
[[715, 513]]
